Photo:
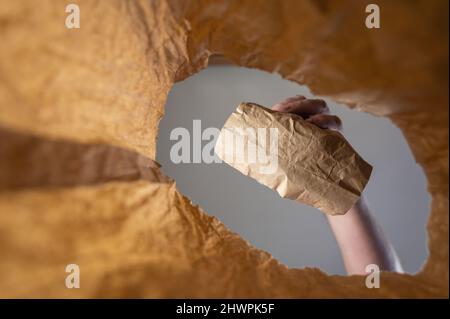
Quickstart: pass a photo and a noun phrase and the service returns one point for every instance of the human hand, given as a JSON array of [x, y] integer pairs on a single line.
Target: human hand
[[314, 111]]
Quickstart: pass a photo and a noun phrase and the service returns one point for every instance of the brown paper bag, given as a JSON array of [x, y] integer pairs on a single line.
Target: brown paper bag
[[299, 160]]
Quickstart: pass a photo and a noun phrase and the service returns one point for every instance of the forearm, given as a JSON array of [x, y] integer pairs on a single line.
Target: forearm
[[362, 241]]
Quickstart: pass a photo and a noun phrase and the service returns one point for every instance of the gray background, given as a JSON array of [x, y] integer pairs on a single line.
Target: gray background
[[294, 233]]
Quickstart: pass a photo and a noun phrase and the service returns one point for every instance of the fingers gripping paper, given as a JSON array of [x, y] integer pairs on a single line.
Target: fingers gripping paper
[[299, 160]]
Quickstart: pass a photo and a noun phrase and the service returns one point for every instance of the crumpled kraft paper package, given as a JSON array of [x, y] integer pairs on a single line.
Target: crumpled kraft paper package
[[297, 159], [79, 114]]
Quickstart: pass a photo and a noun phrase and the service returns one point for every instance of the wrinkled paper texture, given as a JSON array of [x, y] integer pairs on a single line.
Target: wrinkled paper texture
[[79, 114], [299, 160]]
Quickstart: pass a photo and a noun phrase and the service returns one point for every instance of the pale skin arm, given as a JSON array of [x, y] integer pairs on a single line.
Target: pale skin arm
[[360, 239]]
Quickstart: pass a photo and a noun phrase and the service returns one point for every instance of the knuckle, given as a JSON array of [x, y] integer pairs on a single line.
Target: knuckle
[[337, 120], [321, 103]]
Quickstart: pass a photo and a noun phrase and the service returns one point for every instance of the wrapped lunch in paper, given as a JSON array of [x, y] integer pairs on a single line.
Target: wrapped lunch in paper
[[299, 160]]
